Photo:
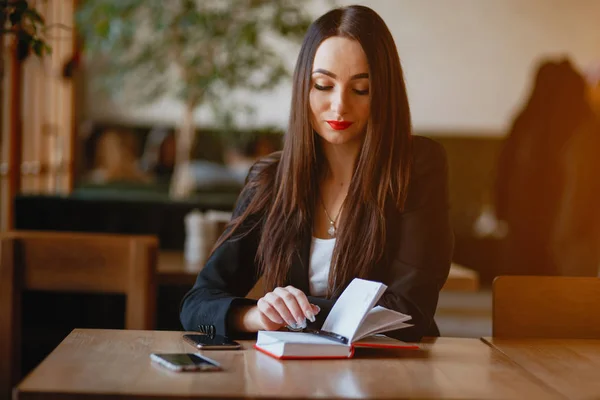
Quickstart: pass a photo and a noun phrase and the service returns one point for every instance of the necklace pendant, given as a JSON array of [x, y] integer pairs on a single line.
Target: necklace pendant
[[331, 230]]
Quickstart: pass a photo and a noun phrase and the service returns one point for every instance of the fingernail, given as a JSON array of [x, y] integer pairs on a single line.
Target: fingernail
[[318, 308], [310, 316], [302, 325], [292, 326]]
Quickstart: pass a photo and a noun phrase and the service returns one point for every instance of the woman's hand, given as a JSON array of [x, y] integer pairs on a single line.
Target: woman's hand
[[284, 306], [276, 309]]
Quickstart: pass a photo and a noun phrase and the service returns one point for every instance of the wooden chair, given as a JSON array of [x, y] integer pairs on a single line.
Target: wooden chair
[[71, 262], [546, 307]]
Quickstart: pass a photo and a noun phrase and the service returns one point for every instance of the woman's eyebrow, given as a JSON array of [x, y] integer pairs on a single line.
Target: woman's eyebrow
[[362, 75]]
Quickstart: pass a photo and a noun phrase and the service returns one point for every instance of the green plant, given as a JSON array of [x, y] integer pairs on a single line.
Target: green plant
[[26, 23], [197, 51]]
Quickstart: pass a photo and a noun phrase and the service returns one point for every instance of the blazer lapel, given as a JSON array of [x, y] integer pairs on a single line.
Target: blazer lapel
[[299, 269]]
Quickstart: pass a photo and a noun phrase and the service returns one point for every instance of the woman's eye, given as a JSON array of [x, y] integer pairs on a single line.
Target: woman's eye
[[319, 87], [361, 92]]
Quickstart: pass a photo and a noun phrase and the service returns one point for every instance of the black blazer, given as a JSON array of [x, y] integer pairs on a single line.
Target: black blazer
[[415, 265]]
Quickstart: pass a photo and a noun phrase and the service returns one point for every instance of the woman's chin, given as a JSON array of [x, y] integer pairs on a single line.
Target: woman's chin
[[339, 138]]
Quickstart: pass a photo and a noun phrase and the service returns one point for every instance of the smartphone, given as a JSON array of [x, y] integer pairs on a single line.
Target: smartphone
[[211, 342], [185, 362]]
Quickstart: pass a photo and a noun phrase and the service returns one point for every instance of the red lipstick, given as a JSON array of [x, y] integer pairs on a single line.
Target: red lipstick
[[339, 125]]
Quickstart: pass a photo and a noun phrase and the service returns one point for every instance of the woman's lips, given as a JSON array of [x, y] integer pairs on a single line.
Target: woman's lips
[[339, 125]]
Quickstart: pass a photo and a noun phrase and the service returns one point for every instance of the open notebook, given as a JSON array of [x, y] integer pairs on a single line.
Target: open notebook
[[352, 322]]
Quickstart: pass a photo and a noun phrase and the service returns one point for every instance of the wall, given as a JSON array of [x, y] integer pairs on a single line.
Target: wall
[[468, 63]]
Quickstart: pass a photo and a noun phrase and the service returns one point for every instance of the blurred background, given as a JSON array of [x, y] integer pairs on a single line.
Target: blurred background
[[144, 111]]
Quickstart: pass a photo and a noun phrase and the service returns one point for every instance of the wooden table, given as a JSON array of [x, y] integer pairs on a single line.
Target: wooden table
[[462, 279], [113, 364], [174, 270], [569, 366]]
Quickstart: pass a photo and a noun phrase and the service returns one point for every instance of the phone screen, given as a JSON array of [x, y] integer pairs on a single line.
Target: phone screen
[[185, 362], [211, 342]]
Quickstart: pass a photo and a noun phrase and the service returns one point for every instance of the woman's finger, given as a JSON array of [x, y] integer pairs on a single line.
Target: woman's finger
[[302, 300], [281, 307], [292, 305], [270, 312]]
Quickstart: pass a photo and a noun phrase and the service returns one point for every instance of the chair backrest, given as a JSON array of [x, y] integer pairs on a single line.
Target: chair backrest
[[546, 307], [72, 262]]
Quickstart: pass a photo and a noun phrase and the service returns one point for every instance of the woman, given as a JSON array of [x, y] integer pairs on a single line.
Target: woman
[[576, 234], [352, 194], [116, 159], [531, 176]]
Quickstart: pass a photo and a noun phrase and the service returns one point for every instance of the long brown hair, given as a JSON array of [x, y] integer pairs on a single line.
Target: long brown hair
[[284, 193]]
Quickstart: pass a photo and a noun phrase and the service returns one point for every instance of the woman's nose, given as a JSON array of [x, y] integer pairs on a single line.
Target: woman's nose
[[339, 102]]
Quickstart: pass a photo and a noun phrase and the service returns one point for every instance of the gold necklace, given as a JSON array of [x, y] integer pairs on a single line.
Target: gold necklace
[[332, 230]]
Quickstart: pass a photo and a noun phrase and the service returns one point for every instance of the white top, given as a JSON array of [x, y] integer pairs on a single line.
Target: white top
[[321, 251]]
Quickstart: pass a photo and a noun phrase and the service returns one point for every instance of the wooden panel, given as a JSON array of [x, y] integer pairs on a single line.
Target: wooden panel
[[141, 285], [5, 204], [546, 307], [38, 118], [33, 105], [82, 261], [76, 262], [94, 364], [567, 366], [59, 264], [9, 319], [14, 144], [48, 102]]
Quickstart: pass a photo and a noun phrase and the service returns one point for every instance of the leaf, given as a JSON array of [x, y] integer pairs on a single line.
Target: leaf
[[102, 28], [15, 17], [38, 47], [34, 16], [24, 41], [20, 5], [25, 37]]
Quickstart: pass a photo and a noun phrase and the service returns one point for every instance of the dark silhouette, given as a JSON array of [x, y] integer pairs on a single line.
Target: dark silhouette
[[577, 232], [530, 177]]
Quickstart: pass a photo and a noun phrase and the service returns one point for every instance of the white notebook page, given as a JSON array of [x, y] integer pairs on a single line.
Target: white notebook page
[[381, 319], [352, 307]]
